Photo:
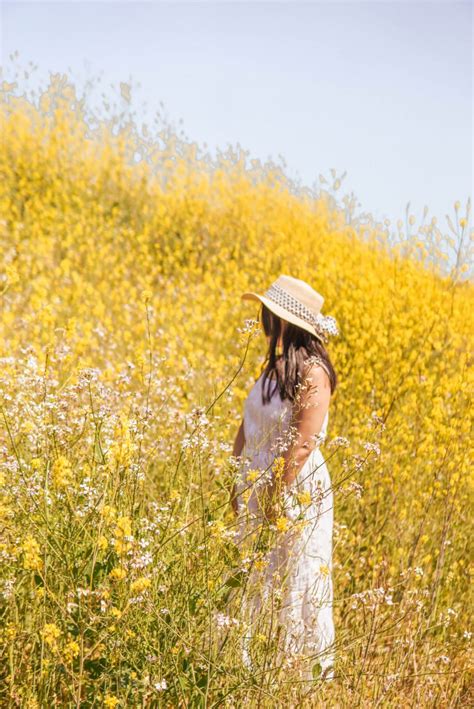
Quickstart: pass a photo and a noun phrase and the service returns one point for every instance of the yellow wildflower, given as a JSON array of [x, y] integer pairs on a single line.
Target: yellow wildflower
[[51, 633], [61, 472], [252, 475], [140, 585], [10, 631], [121, 547], [110, 701], [71, 650], [278, 466], [123, 529], [46, 667], [102, 543], [31, 551], [304, 498], [118, 573], [282, 524], [109, 512]]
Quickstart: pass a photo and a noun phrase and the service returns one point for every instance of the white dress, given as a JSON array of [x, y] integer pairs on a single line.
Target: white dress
[[299, 570]]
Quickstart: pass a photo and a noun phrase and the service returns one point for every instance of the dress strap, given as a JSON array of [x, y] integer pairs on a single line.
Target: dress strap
[[315, 359]]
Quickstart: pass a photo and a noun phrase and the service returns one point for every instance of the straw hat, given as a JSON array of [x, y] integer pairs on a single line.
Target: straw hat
[[295, 301]]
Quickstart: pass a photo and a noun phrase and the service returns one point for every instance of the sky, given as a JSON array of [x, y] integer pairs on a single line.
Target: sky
[[382, 90]]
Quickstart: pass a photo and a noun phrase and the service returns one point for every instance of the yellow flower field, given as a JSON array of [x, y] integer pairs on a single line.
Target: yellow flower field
[[126, 355]]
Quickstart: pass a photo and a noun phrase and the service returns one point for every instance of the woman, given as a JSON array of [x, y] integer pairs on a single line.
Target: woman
[[283, 478]]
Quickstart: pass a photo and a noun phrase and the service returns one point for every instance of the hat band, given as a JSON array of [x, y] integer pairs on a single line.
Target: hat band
[[324, 325]]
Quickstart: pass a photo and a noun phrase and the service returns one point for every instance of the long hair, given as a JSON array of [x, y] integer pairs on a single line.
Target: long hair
[[287, 368]]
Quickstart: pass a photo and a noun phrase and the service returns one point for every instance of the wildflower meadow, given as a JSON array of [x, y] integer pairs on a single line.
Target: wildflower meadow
[[126, 356]]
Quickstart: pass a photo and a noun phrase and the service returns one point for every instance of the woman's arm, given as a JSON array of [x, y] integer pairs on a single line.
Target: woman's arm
[[307, 419], [239, 441], [236, 451]]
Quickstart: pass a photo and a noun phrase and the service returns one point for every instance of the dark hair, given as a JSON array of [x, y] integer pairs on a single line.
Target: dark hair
[[298, 346]]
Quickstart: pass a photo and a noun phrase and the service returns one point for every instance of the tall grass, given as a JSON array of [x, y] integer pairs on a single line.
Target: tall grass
[[126, 355]]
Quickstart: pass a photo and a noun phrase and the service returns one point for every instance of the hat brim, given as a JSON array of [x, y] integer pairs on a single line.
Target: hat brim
[[281, 312]]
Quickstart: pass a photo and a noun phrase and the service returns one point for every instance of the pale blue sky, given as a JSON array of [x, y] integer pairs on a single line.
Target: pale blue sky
[[380, 89]]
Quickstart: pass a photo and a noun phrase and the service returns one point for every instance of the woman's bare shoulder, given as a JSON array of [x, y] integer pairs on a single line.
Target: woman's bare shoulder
[[315, 374], [315, 366]]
